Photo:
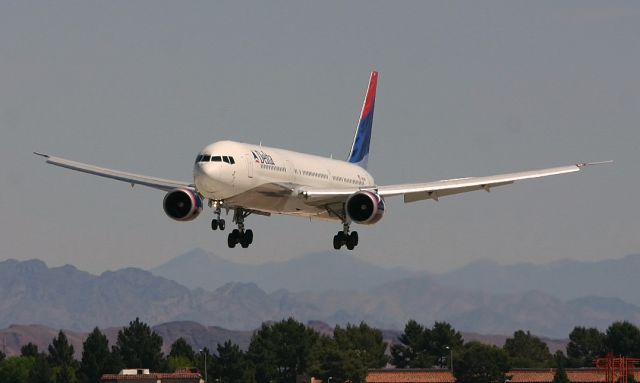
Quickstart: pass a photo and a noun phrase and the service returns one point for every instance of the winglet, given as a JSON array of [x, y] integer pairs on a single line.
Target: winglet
[[41, 154], [359, 154]]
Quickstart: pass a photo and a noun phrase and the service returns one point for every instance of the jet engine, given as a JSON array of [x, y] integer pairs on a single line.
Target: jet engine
[[182, 204], [365, 207]]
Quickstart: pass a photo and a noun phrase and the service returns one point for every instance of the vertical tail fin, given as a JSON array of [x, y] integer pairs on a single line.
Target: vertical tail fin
[[359, 154]]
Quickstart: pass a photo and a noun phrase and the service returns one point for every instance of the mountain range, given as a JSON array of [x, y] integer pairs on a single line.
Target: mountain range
[[567, 279], [65, 297], [311, 272]]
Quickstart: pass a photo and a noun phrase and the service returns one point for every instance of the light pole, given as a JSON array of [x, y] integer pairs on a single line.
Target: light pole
[[450, 356], [205, 364]]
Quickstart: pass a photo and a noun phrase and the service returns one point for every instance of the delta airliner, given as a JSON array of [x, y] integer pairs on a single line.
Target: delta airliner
[[253, 179]]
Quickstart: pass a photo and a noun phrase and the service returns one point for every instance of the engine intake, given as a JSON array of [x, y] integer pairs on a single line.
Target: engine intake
[[365, 207], [182, 204]]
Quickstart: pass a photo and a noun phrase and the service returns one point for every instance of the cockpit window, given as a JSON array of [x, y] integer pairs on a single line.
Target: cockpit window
[[225, 159], [231, 161], [216, 158], [199, 158], [205, 158]]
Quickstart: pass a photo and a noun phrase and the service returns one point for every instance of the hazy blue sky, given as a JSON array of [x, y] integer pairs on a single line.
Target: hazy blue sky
[[466, 88]]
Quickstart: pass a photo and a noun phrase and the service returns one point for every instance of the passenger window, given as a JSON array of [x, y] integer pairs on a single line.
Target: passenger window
[[225, 159], [231, 161], [205, 158], [216, 159]]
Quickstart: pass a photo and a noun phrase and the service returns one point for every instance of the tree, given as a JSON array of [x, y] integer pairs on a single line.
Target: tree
[[585, 345], [139, 347], [2, 356], [330, 362], [560, 375], [41, 371], [229, 364], [61, 351], [480, 363], [29, 349], [280, 352], [181, 355], [366, 343], [199, 362], [181, 348], [16, 369], [412, 345], [623, 338], [96, 358], [526, 350], [443, 335], [421, 347]]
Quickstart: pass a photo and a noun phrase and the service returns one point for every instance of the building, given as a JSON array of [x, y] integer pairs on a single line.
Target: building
[[575, 375], [142, 375]]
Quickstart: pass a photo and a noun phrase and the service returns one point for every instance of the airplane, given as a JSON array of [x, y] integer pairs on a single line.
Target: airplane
[[254, 179]]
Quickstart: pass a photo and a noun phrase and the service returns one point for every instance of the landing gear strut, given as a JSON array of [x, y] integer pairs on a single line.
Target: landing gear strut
[[343, 238], [217, 223], [240, 235]]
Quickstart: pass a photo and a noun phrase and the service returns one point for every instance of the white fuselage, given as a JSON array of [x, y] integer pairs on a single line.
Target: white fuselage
[[262, 178]]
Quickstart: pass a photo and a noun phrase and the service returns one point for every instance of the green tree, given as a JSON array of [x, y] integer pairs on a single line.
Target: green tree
[[443, 335], [366, 343], [96, 358], [2, 356], [229, 364], [332, 363], [623, 338], [16, 369], [29, 349], [139, 347], [181, 348], [281, 351], [421, 347], [412, 352], [560, 375], [61, 351], [526, 350], [480, 363], [41, 371], [585, 345], [199, 362]]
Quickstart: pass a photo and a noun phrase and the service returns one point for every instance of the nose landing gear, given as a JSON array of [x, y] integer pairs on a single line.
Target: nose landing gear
[[217, 223]]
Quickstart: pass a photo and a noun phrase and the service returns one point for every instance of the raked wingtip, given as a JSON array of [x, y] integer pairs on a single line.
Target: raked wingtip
[[584, 164]]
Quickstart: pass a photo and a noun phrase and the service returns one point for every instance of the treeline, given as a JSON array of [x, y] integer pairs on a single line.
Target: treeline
[[282, 351]]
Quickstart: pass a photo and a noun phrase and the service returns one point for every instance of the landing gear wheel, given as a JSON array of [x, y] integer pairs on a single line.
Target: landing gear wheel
[[353, 238], [221, 224], [214, 224], [337, 244], [248, 235], [232, 239]]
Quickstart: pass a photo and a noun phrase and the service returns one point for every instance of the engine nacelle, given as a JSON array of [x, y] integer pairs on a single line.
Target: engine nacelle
[[182, 204], [364, 207]]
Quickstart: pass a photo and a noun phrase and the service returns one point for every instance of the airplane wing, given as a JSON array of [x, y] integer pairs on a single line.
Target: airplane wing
[[130, 178], [435, 190]]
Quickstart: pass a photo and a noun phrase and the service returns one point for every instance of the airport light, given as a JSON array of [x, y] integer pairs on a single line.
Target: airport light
[[205, 365]]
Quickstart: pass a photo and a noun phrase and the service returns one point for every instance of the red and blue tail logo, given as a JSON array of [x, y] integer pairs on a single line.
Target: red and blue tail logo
[[360, 149]]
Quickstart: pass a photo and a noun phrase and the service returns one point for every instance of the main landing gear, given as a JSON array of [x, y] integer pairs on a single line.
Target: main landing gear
[[343, 238], [240, 235]]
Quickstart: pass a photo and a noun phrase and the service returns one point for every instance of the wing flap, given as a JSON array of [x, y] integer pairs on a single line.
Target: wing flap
[[130, 178]]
